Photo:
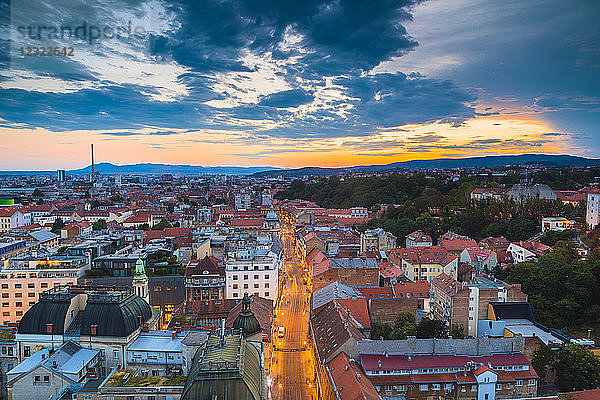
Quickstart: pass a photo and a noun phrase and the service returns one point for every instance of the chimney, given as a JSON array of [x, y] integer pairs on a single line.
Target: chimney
[[92, 177]]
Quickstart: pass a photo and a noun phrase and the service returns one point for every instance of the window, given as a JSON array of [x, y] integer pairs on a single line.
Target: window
[[245, 286], [6, 313], [235, 277], [473, 388], [531, 382], [18, 294], [424, 388], [18, 286], [37, 378], [115, 354], [255, 276], [19, 313], [46, 378], [5, 286], [267, 285], [19, 304], [256, 286], [266, 294], [30, 294], [5, 295], [245, 277], [26, 351], [519, 382], [31, 285], [498, 386], [436, 386], [235, 285], [235, 295], [6, 304], [44, 285]]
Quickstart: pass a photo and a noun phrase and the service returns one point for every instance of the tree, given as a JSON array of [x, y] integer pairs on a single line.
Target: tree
[[379, 330], [431, 328], [541, 361], [161, 225], [457, 332], [116, 198], [404, 325], [37, 193], [57, 225], [100, 225], [577, 368]]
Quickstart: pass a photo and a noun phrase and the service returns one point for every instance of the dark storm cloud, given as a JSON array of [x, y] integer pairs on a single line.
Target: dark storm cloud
[[287, 98]]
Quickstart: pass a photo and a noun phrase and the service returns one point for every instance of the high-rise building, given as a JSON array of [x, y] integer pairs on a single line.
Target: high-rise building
[[118, 180], [61, 175]]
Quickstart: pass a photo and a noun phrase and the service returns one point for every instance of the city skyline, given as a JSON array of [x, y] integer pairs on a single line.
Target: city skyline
[[319, 84]]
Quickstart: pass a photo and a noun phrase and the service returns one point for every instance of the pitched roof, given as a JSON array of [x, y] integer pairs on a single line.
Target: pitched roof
[[332, 327], [409, 290], [425, 255], [357, 308], [349, 381], [208, 263]]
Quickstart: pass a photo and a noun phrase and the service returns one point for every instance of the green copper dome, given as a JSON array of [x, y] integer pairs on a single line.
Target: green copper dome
[[246, 321]]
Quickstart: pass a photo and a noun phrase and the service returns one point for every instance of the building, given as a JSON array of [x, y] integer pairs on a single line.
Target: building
[[455, 243], [24, 278], [525, 251], [253, 271], [425, 263], [8, 356], [227, 367], [205, 280], [349, 271], [11, 218], [132, 383], [376, 240], [482, 260], [497, 194], [521, 193], [61, 175], [50, 372], [464, 304], [418, 239], [107, 320], [556, 224], [348, 380], [156, 353], [592, 214], [486, 368], [243, 200]]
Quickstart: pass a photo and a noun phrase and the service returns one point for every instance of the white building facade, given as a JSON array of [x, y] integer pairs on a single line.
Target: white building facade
[[253, 272]]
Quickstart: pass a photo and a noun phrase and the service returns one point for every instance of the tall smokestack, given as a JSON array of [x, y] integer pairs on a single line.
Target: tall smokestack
[[92, 177]]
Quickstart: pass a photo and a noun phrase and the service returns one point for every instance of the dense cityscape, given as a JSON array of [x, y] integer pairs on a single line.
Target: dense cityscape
[[465, 284], [299, 200]]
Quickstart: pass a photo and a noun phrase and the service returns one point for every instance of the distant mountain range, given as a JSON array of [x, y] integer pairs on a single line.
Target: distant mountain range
[[444, 163], [152, 169], [440, 163]]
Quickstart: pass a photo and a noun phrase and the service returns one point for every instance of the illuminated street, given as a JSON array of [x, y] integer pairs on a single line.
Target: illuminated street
[[292, 371]]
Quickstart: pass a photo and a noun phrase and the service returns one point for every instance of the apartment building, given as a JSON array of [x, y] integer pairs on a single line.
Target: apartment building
[[25, 277], [464, 369], [465, 303], [205, 280], [252, 271], [418, 239], [376, 240], [11, 219], [425, 263]]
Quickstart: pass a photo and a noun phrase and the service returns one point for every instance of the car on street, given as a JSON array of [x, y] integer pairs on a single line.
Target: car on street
[[281, 331]]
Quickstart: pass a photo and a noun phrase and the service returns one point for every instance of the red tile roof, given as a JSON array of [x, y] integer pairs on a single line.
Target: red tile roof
[[411, 290], [349, 380], [357, 308], [425, 255]]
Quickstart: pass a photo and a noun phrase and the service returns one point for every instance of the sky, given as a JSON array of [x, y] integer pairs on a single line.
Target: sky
[[291, 84]]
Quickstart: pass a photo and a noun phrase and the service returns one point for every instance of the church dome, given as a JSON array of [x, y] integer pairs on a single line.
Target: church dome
[[246, 321]]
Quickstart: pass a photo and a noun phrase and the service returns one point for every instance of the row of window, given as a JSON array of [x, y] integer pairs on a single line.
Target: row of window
[[18, 304], [266, 294], [450, 386], [18, 295], [7, 313], [266, 276], [256, 285]]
